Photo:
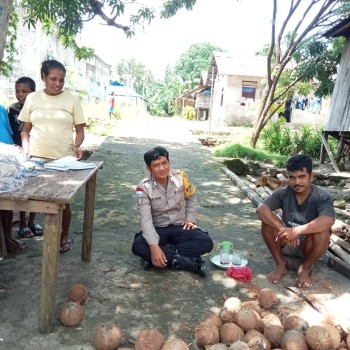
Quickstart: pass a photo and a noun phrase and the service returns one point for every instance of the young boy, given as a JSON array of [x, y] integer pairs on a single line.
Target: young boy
[[23, 87]]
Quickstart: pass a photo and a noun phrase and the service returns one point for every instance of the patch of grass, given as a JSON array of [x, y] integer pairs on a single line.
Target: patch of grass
[[236, 150]]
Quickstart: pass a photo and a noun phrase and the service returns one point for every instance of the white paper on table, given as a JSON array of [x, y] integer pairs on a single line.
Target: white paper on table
[[68, 163]]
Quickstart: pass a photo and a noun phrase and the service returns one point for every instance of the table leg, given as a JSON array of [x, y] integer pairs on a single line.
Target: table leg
[[49, 271], [90, 191]]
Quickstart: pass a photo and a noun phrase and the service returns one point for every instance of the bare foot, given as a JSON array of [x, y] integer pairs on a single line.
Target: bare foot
[[14, 245], [303, 279], [276, 275]]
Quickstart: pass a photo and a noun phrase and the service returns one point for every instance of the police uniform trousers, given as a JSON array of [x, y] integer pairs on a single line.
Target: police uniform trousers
[[191, 243]]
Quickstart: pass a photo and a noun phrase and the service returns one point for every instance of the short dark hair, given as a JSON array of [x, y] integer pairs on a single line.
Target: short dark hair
[[154, 154], [49, 65], [28, 81], [299, 162]]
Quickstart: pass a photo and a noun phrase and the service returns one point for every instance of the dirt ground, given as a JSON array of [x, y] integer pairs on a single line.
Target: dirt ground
[[119, 289]]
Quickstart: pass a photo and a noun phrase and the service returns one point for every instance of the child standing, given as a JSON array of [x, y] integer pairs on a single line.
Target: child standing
[[23, 87]]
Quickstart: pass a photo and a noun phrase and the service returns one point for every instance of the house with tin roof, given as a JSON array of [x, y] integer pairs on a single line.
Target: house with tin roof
[[237, 83]]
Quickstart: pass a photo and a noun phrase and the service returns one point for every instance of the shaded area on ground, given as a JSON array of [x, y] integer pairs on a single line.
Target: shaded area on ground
[[119, 289]]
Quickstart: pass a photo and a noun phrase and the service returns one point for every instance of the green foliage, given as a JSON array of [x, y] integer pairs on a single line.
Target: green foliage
[[170, 7], [10, 50], [278, 138], [193, 62], [319, 59], [189, 113], [236, 150], [135, 74]]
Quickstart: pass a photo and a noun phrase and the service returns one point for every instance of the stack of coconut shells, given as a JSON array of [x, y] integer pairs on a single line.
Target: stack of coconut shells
[[72, 312], [252, 325]]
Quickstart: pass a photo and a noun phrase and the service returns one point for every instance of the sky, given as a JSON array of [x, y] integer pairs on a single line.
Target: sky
[[240, 27]]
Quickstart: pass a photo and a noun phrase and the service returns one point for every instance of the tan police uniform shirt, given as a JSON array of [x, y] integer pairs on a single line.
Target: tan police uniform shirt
[[160, 207]]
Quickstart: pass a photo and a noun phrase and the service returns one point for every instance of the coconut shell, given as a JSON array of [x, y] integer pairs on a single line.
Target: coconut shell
[[295, 322], [149, 339], [230, 332], [334, 335], [274, 334], [294, 340], [206, 334], [218, 346], [213, 319], [78, 293], [239, 345], [251, 334], [259, 343], [267, 298], [106, 336], [248, 319], [226, 315], [71, 314], [348, 341], [175, 344], [252, 304], [271, 319], [232, 304], [323, 337]]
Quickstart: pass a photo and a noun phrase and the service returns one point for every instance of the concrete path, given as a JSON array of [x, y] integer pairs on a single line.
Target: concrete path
[[119, 289]]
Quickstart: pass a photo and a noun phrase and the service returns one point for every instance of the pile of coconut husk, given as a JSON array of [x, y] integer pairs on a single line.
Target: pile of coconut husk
[[264, 324], [338, 254]]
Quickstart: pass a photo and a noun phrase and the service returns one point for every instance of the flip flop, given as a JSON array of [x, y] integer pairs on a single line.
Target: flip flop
[[25, 232], [36, 229], [65, 247]]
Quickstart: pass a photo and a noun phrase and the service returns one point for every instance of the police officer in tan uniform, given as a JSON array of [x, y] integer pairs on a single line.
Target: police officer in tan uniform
[[166, 205]]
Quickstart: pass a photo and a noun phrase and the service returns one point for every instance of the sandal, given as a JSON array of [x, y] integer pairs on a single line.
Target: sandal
[[25, 232], [36, 229], [65, 247]]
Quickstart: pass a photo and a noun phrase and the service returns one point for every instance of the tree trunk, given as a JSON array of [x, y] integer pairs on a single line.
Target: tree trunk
[[5, 10]]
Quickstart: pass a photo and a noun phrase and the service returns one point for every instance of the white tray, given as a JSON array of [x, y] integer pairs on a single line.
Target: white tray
[[215, 259]]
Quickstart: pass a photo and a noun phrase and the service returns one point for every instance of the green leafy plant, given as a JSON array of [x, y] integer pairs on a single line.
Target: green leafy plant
[[278, 138]]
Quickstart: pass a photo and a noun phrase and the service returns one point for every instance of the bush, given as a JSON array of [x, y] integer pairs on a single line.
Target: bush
[[278, 138], [189, 113]]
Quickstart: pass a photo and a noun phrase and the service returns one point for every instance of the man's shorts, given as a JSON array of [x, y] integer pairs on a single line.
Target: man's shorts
[[294, 251]]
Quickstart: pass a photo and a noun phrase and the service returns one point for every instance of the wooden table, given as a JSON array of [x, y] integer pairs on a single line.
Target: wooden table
[[49, 193]]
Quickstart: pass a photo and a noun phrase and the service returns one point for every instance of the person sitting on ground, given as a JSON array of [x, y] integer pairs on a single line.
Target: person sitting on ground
[[49, 117], [305, 228], [166, 205], [23, 86]]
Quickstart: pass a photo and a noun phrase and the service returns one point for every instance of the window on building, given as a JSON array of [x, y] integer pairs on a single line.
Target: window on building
[[249, 89]]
